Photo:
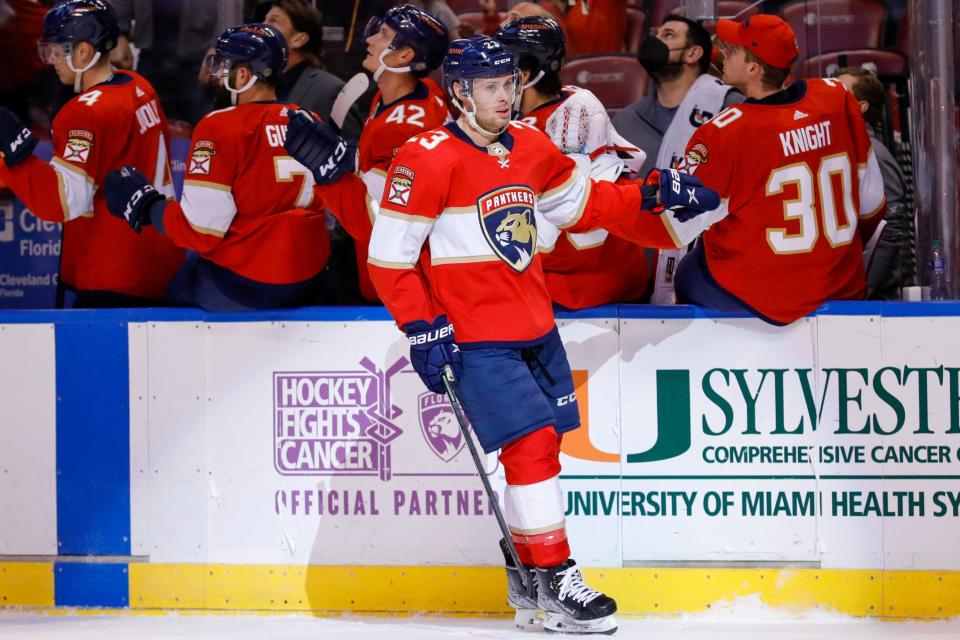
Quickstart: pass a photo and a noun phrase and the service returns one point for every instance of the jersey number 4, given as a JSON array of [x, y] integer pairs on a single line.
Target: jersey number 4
[[838, 226]]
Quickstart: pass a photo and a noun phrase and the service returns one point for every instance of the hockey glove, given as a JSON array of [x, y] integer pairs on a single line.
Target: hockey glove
[[319, 148], [16, 140], [432, 347], [130, 196], [681, 193]]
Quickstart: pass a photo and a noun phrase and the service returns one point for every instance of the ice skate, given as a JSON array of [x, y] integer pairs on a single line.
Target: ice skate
[[570, 606], [528, 615]]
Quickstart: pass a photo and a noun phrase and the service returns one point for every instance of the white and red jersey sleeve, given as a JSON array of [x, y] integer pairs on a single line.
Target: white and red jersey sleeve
[[246, 204], [480, 209], [115, 123], [354, 199]]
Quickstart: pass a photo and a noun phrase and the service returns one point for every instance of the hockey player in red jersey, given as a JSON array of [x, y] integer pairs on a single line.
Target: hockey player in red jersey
[[246, 205], [798, 201], [476, 189], [604, 265], [403, 46], [115, 119]]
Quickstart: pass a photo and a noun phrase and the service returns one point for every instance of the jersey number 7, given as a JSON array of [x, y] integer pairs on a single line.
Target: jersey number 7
[[285, 169]]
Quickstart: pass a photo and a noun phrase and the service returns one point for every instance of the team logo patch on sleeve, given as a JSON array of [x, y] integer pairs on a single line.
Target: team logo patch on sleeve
[[509, 225], [400, 185], [202, 156], [694, 158], [79, 143]]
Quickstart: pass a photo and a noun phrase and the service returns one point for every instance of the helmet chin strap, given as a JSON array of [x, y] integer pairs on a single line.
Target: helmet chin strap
[[78, 73], [235, 92], [534, 81], [383, 65], [471, 116]]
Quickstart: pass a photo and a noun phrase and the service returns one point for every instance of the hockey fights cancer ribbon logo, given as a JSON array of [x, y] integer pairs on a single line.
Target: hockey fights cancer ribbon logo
[[336, 422], [202, 156], [508, 223], [79, 143], [440, 426]]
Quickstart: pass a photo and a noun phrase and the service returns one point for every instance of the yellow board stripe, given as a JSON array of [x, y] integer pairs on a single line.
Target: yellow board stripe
[[480, 591], [26, 584]]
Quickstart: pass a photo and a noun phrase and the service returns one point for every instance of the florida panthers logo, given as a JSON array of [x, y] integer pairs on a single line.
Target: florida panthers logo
[[508, 223], [440, 426]]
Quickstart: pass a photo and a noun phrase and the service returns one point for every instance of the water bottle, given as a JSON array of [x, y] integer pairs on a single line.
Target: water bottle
[[938, 272]]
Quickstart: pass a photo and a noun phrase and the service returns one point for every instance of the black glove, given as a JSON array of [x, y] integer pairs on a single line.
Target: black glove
[[319, 148], [432, 348], [16, 140], [130, 196], [680, 193]]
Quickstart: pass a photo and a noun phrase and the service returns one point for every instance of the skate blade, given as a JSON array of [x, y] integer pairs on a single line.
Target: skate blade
[[560, 623], [528, 619]]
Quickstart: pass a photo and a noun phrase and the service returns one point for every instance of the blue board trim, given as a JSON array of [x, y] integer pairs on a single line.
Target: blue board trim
[[93, 438], [82, 584], [380, 314]]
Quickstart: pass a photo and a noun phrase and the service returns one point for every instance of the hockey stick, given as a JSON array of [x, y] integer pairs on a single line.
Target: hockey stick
[[350, 93], [448, 379]]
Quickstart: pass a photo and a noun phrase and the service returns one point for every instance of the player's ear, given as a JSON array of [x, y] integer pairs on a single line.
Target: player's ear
[[82, 54], [405, 56], [525, 76]]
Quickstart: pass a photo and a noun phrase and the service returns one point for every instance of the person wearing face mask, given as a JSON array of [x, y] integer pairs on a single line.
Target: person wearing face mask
[[677, 57], [114, 117], [245, 209]]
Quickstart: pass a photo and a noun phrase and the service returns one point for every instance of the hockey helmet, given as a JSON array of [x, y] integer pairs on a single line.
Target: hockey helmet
[[75, 21], [417, 29], [260, 47], [470, 59], [534, 39]]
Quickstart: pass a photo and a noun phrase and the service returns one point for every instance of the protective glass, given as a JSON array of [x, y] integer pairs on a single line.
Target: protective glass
[[373, 26], [216, 66]]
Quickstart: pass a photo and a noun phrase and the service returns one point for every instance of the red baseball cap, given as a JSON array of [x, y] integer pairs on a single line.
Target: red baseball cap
[[766, 36]]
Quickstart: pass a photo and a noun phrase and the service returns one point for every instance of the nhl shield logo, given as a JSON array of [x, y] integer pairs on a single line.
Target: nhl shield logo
[[509, 225], [439, 426]]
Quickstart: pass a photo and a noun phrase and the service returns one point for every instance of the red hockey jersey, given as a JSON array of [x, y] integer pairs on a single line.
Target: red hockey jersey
[[604, 265], [478, 206], [787, 239], [115, 123], [246, 203], [353, 199]]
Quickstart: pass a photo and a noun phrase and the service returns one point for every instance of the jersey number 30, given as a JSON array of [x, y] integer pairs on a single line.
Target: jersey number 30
[[813, 194]]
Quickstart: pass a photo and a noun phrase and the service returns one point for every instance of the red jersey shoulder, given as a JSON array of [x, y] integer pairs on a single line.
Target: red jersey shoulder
[[386, 131]]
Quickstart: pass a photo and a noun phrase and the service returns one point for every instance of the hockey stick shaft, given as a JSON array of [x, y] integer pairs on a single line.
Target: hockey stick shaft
[[448, 379]]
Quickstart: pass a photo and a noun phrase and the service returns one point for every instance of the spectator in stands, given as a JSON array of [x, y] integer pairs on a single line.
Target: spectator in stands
[[305, 82], [891, 265], [172, 36], [542, 9], [677, 56], [440, 10], [595, 26]]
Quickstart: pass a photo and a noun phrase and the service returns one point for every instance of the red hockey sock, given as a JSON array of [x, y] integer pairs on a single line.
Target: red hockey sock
[[546, 549]]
